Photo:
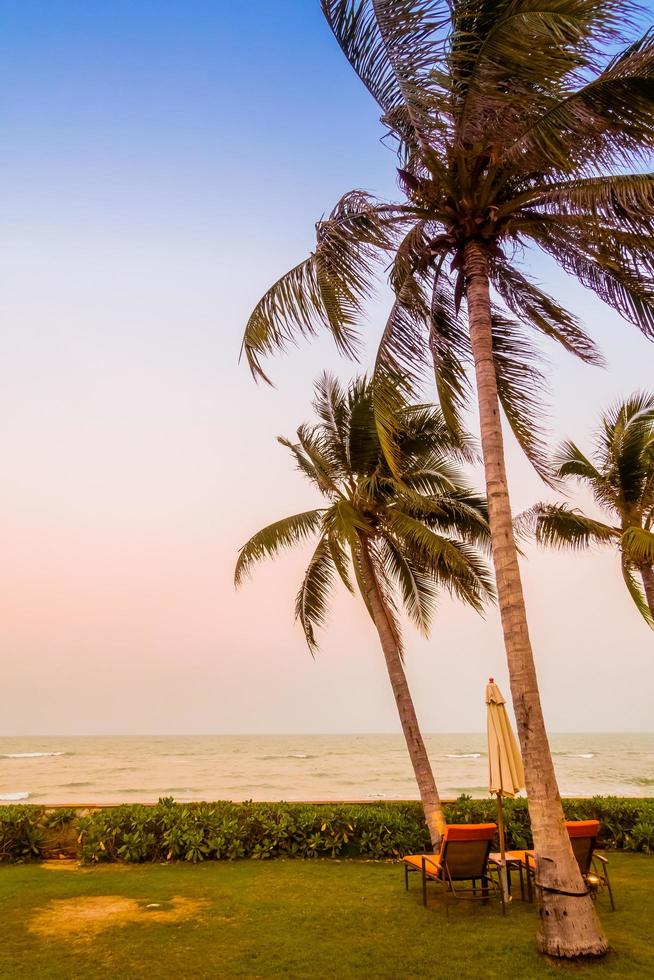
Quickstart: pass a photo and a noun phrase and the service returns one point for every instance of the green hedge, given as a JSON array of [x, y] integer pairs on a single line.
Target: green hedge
[[213, 831]]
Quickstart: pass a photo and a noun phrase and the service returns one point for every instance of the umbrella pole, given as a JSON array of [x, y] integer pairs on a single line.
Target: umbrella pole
[[504, 883]]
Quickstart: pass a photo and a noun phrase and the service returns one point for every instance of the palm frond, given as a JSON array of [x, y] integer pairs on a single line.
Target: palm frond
[[535, 308], [341, 560], [458, 511], [362, 439], [520, 387], [570, 461], [319, 452], [267, 542], [314, 592], [418, 589], [393, 46], [625, 443], [636, 593], [304, 465], [454, 564], [507, 54], [638, 546], [370, 573], [617, 282], [558, 526], [396, 375], [329, 289], [450, 350], [607, 121], [331, 406], [625, 200]]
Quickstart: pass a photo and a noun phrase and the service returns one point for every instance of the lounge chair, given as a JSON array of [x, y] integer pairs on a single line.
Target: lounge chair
[[593, 866], [463, 856]]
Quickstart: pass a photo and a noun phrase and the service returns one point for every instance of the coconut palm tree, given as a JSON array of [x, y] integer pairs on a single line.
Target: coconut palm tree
[[404, 535], [620, 475], [514, 128]]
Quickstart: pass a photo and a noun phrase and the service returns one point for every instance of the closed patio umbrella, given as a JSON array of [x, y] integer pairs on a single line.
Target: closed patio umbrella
[[505, 772]]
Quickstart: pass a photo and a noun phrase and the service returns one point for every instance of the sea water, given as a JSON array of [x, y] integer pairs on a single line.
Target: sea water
[[296, 767]]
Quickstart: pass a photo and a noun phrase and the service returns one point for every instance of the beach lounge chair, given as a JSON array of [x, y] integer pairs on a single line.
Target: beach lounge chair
[[463, 857], [593, 866]]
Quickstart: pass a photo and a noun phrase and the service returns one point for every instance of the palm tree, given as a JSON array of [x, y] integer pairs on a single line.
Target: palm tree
[[621, 477], [403, 535], [513, 128]]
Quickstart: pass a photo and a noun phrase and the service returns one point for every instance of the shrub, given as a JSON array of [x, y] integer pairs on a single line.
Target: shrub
[[198, 832]]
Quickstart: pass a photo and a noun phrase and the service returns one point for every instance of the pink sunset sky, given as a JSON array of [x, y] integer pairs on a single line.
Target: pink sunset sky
[[147, 213]]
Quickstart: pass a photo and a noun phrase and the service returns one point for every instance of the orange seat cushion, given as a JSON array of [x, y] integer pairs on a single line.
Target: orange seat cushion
[[522, 856], [582, 828], [432, 863], [470, 831]]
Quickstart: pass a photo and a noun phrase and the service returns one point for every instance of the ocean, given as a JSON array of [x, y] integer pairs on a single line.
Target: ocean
[[295, 767]]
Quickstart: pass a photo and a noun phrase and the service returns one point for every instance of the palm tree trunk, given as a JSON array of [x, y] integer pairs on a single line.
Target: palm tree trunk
[[434, 816], [569, 926], [647, 575]]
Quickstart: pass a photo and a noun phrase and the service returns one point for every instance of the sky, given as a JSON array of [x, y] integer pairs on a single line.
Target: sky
[[161, 164]]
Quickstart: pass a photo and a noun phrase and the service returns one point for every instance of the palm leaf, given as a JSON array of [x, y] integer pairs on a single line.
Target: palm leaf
[[558, 526], [624, 200], [520, 387], [376, 37], [617, 283], [312, 598], [450, 350], [453, 564], [638, 546], [609, 119], [503, 50], [341, 561], [535, 308], [418, 589], [329, 289], [282, 534], [636, 593]]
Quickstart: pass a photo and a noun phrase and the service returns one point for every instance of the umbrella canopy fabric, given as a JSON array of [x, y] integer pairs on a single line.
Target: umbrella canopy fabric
[[505, 771]]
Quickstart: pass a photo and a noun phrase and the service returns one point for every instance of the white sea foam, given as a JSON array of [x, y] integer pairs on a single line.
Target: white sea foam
[[296, 767], [12, 797]]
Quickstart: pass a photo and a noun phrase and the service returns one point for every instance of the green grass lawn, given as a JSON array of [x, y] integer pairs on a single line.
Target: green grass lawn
[[288, 919]]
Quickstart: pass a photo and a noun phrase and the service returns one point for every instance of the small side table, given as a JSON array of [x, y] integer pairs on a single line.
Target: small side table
[[511, 864]]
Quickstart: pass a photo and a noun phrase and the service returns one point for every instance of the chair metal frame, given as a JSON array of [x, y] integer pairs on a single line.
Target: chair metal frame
[[483, 886], [586, 859]]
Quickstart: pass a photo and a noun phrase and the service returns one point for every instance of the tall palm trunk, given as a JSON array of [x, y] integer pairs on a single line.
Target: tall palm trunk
[[434, 817], [568, 922], [647, 575]]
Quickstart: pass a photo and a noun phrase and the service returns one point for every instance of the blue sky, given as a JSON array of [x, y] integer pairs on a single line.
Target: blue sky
[[161, 164]]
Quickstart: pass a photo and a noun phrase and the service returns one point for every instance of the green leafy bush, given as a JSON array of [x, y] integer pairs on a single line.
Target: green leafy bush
[[198, 832], [21, 832]]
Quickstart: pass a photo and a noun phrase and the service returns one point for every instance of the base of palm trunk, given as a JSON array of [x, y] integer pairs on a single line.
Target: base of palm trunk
[[568, 928]]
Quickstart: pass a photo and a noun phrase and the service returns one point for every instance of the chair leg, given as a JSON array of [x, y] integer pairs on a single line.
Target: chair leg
[[406, 877], [610, 890], [522, 884], [424, 884]]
